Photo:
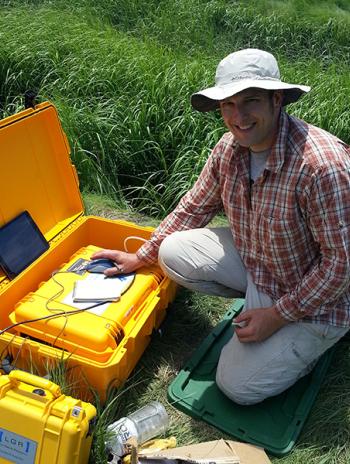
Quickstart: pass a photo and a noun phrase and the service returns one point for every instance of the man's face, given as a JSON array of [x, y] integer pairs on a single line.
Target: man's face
[[252, 117]]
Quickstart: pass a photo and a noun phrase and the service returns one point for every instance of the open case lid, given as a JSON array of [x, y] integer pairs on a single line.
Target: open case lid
[[36, 173]]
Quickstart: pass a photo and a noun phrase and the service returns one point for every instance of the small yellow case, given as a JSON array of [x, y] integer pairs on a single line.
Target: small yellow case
[[37, 175], [39, 425]]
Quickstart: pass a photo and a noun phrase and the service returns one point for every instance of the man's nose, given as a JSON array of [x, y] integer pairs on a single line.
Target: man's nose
[[237, 114]]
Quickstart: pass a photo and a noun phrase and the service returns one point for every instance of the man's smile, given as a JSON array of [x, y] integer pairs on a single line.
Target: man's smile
[[245, 127]]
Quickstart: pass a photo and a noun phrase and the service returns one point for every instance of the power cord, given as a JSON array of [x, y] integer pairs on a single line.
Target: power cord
[[132, 237], [51, 316]]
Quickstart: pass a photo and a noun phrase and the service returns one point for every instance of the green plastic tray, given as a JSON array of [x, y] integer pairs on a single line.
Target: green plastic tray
[[273, 424]]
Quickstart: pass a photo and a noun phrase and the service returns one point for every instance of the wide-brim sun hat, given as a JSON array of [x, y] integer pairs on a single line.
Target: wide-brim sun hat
[[249, 68]]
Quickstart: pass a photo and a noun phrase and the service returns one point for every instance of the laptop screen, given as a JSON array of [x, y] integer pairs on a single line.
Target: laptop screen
[[21, 243]]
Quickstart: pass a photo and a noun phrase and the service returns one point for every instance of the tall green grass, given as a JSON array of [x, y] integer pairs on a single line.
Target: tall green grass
[[121, 74]]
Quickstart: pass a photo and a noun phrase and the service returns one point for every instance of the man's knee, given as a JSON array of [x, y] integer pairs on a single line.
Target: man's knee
[[240, 391], [168, 256]]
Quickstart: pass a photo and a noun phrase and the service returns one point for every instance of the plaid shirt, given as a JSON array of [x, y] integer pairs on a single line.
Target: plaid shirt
[[291, 227]]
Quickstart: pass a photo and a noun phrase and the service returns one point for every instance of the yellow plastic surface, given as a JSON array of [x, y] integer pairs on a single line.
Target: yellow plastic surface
[[36, 173], [85, 372], [37, 176], [41, 427], [28, 380], [94, 333]]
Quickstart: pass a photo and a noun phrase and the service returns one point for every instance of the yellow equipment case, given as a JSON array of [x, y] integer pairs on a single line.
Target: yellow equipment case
[[39, 425], [101, 347]]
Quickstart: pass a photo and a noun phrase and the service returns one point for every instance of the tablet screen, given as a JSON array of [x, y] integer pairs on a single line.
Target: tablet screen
[[21, 243]]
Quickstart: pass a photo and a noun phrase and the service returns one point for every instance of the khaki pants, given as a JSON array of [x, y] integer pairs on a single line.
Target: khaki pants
[[207, 261]]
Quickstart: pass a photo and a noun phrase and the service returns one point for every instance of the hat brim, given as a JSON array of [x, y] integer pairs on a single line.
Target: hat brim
[[209, 99]]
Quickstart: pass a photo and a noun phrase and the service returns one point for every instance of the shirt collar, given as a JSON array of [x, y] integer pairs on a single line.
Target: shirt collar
[[278, 149]]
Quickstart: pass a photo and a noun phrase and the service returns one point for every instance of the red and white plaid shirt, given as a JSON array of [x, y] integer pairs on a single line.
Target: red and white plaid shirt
[[291, 227]]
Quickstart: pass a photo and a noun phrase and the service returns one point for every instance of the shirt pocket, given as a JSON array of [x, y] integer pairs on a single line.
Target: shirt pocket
[[286, 247]]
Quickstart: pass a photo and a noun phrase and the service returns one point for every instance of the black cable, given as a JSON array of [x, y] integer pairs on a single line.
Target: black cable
[[59, 314], [52, 316]]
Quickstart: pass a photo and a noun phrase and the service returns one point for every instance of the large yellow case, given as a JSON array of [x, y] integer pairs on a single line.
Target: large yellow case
[[39, 425], [100, 351]]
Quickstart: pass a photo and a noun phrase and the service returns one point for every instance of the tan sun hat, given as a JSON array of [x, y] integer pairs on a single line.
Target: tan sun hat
[[243, 70]]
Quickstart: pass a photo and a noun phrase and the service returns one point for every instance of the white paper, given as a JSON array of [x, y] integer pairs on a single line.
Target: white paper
[[105, 290]]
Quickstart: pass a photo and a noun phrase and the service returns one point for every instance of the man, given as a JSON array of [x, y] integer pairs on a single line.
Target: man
[[285, 188]]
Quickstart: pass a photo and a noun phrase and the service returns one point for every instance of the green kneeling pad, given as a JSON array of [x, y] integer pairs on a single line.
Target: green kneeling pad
[[273, 424]]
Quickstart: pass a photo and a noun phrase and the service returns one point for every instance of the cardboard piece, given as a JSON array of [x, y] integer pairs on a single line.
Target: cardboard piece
[[213, 452]]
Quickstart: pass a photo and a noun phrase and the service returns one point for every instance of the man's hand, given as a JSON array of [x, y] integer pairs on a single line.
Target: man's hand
[[260, 323], [124, 262]]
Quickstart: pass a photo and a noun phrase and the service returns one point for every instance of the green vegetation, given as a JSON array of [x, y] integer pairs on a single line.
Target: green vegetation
[[121, 73]]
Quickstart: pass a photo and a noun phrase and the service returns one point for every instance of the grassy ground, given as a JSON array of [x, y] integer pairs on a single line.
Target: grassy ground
[[121, 74], [326, 436]]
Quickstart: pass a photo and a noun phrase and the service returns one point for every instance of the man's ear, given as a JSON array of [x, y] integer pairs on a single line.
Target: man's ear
[[278, 98]]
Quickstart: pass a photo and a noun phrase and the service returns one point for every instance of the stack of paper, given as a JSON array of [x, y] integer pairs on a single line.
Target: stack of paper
[[96, 292]]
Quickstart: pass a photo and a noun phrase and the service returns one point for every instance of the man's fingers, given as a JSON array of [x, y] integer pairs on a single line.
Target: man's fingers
[[245, 334], [243, 323], [123, 262], [112, 271], [100, 254], [107, 254], [246, 339], [243, 318]]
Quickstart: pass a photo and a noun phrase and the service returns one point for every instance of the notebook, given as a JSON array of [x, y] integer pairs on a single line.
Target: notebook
[[105, 290], [97, 289]]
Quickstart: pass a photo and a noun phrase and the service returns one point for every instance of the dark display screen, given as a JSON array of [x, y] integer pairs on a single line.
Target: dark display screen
[[21, 243]]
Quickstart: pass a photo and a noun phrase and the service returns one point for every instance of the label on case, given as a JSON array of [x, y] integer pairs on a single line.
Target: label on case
[[79, 266], [16, 448]]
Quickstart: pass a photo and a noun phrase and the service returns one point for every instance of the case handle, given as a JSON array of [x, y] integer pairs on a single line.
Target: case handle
[[29, 99], [36, 381]]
